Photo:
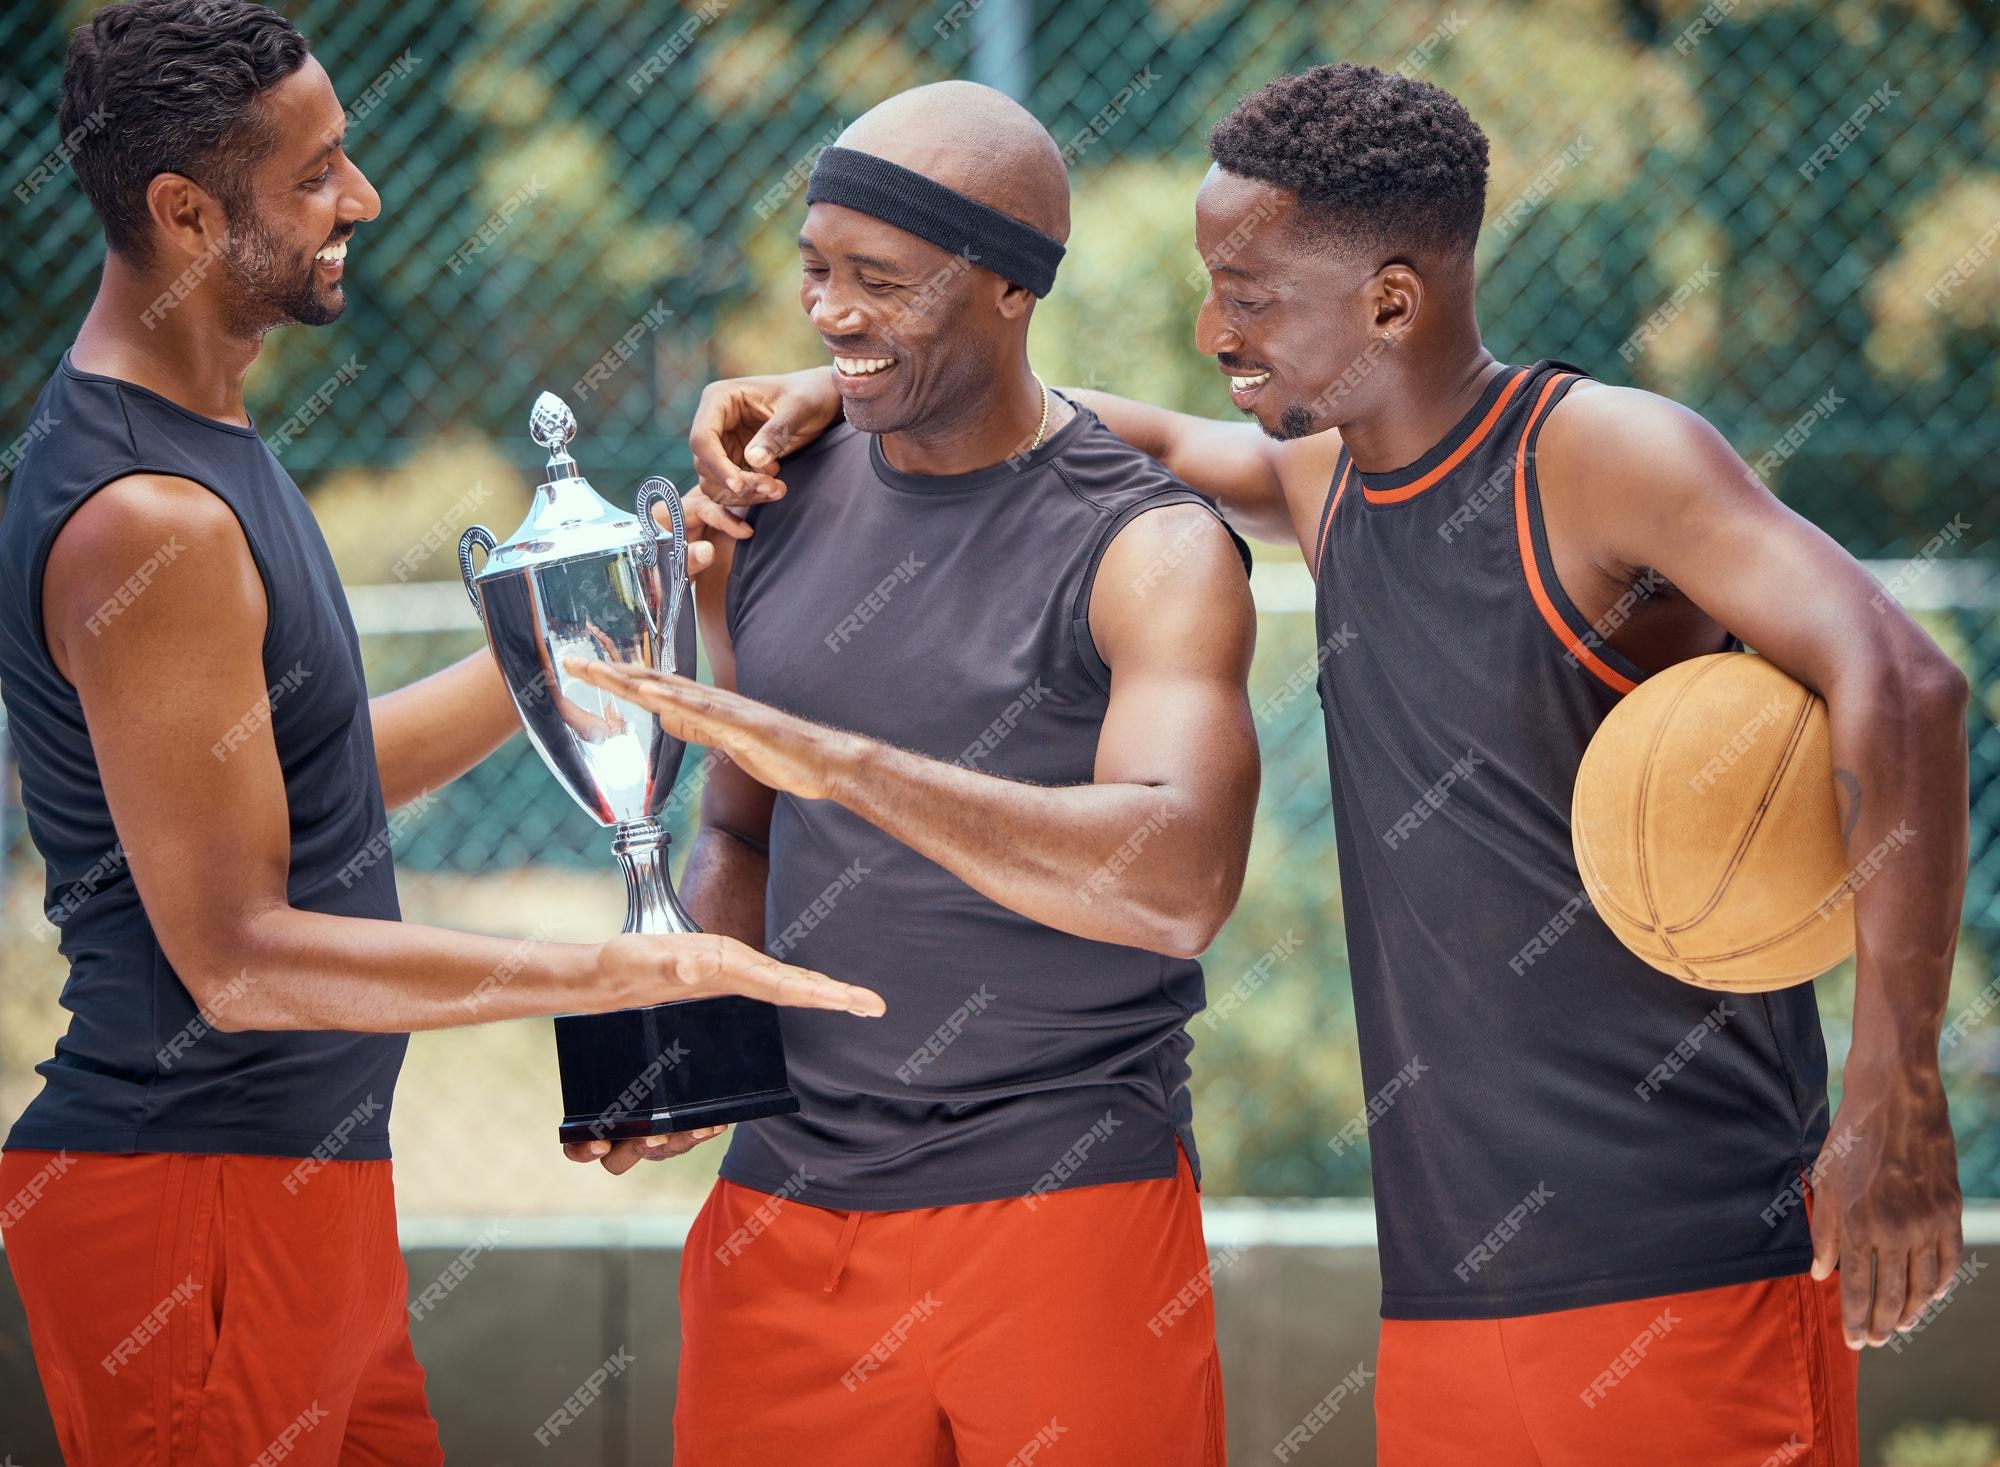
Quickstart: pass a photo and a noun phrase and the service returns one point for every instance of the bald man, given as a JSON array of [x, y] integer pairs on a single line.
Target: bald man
[[981, 691]]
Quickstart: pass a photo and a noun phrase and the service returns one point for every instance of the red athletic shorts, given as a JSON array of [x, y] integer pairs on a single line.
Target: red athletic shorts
[[196, 1311], [1077, 1332], [1753, 1375]]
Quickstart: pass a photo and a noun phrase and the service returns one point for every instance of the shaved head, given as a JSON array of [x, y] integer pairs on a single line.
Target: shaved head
[[976, 140]]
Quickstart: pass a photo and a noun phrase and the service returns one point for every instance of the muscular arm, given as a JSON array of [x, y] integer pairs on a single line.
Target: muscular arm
[[208, 839], [1648, 483], [1151, 853], [429, 733]]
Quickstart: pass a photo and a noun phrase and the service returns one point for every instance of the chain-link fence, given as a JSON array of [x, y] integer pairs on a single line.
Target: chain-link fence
[[1779, 213]]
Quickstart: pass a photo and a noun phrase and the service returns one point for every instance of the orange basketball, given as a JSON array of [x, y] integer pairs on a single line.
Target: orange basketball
[[1707, 831]]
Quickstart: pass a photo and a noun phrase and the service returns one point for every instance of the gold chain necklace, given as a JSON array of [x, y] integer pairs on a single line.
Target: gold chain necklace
[[1043, 426]]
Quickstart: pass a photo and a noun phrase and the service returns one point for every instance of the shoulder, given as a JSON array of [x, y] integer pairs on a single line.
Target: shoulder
[[1181, 538], [1128, 488], [135, 526], [1620, 432]]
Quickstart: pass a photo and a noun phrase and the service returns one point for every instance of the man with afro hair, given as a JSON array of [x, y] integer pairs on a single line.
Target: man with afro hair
[[1614, 1223]]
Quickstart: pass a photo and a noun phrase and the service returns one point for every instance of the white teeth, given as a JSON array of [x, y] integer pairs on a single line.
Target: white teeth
[[1244, 384], [862, 366], [333, 254]]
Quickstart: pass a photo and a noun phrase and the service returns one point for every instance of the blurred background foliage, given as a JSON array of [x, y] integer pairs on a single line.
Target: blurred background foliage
[[575, 184]]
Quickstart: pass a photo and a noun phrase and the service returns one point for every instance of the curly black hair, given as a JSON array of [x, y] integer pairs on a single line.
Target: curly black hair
[[170, 86], [1376, 158]]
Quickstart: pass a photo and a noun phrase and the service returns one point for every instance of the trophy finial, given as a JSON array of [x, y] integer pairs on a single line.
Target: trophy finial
[[552, 424]]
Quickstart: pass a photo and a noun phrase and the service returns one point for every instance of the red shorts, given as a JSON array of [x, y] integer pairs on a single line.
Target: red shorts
[[1753, 1375], [196, 1311], [1077, 1332]]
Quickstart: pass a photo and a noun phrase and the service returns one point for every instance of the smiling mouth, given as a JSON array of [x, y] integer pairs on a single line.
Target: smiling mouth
[[332, 257], [862, 366]]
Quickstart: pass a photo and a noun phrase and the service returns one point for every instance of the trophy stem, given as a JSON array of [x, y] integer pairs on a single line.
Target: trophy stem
[[650, 903]]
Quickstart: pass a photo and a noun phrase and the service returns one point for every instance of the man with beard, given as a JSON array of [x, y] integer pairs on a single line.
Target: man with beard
[[1501, 552], [198, 1203]]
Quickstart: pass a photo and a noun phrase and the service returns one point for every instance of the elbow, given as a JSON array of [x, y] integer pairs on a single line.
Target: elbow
[[1187, 931], [1939, 686]]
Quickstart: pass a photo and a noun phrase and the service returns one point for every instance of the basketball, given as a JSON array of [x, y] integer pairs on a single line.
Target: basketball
[[1707, 830]]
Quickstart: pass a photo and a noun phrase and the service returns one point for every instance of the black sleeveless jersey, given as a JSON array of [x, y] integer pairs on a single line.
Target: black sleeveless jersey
[[140, 1069], [1557, 1123], [949, 615]]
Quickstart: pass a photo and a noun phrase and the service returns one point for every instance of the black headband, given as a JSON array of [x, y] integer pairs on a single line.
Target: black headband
[[944, 216]]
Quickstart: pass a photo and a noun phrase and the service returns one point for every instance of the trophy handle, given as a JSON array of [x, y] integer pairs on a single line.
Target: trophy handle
[[483, 537], [661, 491]]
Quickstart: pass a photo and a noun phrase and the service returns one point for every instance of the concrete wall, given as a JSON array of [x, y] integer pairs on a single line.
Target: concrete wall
[[534, 1316]]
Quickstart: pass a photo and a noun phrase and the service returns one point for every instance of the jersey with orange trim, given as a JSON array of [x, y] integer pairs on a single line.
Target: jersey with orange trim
[[1552, 1123]]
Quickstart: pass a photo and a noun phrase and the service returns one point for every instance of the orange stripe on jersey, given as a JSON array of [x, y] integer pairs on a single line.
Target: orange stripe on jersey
[[1611, 677], [1338, 490], [1457, 455]]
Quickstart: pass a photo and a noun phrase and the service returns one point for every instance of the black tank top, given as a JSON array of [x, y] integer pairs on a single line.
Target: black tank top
[[1560, 1124], [949, 615], [140, 1069]]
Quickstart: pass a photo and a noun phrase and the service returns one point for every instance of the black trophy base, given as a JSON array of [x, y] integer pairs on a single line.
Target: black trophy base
[[672, 1067]]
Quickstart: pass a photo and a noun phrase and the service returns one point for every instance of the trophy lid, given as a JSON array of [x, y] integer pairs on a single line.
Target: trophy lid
[[567, 516]]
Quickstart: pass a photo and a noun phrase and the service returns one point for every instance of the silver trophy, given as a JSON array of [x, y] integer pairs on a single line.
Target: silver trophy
[[582, 578]]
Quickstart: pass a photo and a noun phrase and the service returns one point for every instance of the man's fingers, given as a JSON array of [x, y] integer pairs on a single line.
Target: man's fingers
[[1857, 1293], [624, 1156], [679, 1143], [1950, 1254], [723, 965], [1892, 1284], [585, 1151], [699, 506], [1825, 1238], [1923, 1282]]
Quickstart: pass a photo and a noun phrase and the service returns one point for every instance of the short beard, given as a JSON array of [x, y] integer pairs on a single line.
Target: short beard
[[1294, 422], [267, 294]]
